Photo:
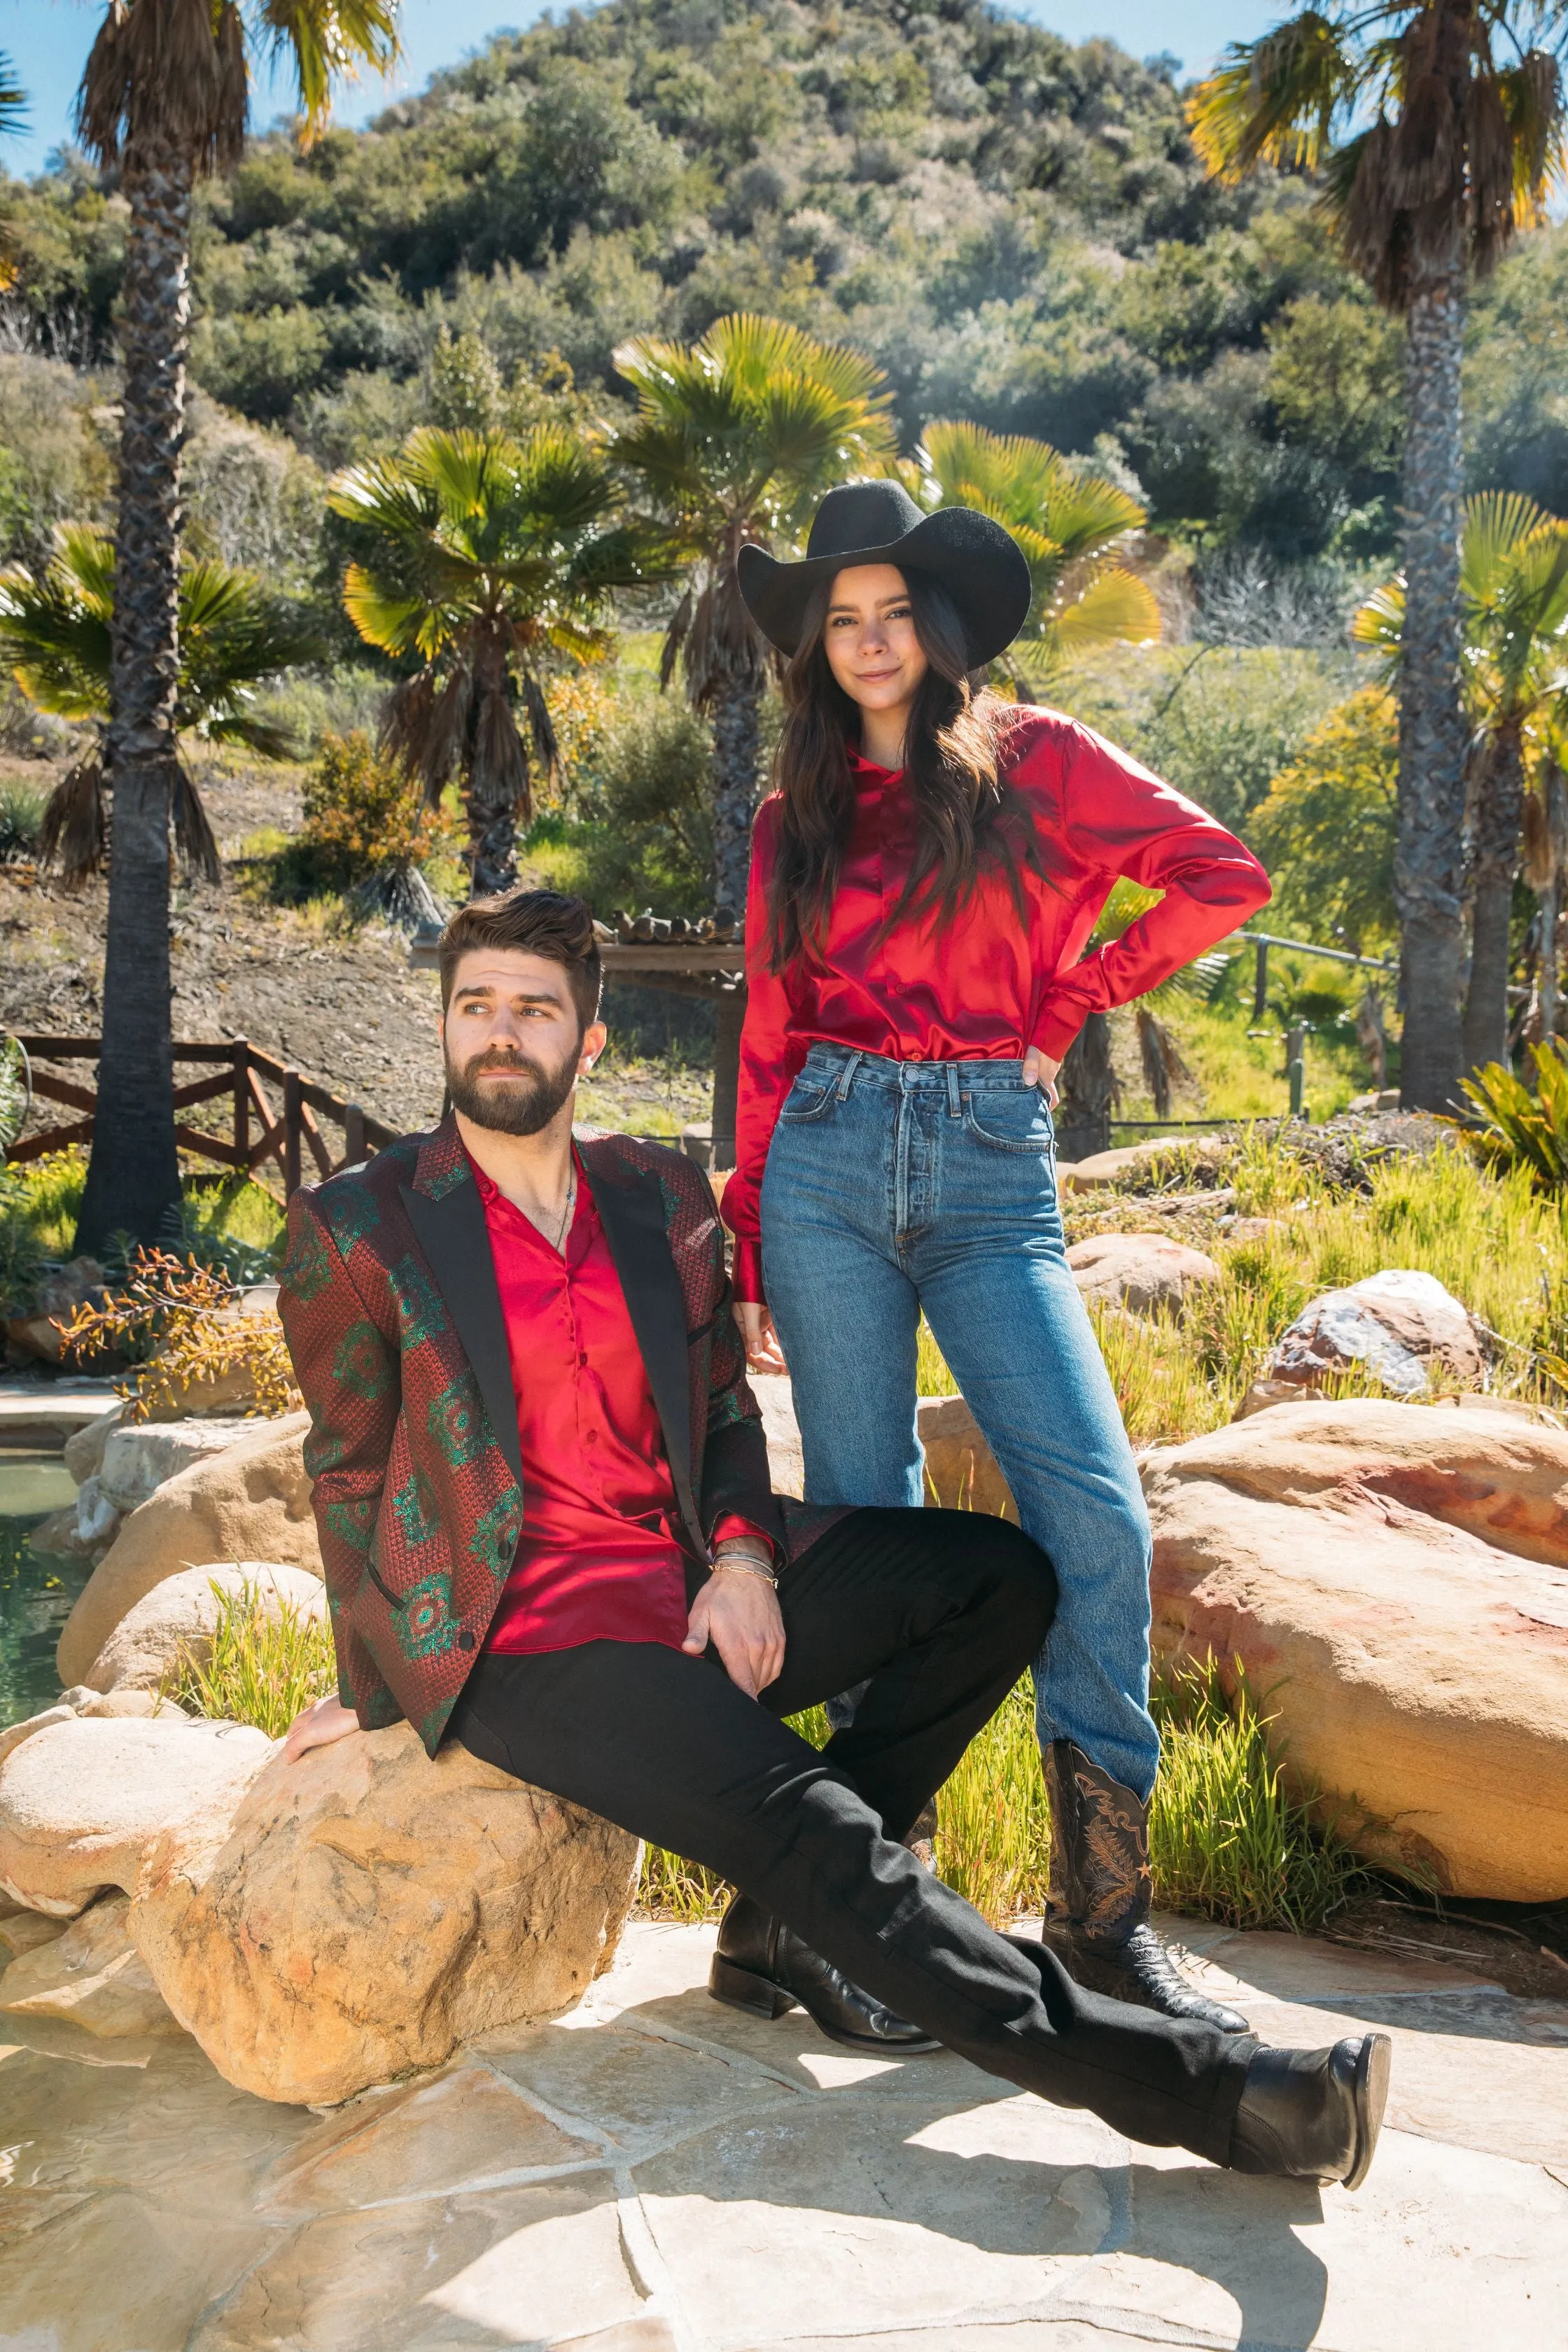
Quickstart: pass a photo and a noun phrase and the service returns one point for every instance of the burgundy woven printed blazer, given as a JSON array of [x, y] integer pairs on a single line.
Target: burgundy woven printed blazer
[[393, 1320]]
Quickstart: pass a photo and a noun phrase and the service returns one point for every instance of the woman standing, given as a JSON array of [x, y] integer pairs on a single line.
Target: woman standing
[[925, 879]]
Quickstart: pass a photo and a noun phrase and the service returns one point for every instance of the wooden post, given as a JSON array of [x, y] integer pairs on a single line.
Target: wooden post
[[1296, 1066], [241, 1103], [1260, 979], [354, 1135], [729, 1018], [293, 1129]]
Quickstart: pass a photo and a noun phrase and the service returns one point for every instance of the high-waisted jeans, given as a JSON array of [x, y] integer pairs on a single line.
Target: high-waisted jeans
[[893, 1187]]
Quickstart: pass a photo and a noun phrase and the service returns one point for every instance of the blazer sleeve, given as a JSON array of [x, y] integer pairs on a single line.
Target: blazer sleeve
[[328, 1328]]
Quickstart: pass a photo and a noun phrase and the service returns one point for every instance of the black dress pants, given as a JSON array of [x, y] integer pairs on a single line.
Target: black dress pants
[[939, 1612]]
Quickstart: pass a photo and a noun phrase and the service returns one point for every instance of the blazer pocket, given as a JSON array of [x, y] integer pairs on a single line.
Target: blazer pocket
[[393, 1600]]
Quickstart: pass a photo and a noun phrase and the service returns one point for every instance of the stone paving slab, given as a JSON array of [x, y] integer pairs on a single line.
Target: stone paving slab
[[657, 2173]]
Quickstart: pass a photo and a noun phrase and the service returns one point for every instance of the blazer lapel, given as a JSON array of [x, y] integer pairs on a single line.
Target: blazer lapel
[[631, 1211], [452, 1233]]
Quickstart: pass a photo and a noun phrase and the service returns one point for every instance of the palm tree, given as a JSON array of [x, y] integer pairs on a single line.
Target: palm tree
[[1438, 130], [1071, 524], [1513, 581], [163, 100], [485, 557], [56, 632], [736, 438]]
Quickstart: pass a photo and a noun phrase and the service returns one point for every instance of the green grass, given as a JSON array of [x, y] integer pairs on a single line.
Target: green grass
[[264, 1667], [235, 1226]]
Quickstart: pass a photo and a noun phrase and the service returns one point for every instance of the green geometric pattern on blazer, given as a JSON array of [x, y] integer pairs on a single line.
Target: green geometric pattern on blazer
[[393, 1320]]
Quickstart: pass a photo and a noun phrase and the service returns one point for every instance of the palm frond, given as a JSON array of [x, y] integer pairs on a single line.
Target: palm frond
[[12, 101], [74, 834], [323, 41], [1116, 607], [1275, 100]]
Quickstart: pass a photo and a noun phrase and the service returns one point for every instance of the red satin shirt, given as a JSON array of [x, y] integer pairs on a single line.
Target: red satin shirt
[[986, 987], [599, 1558]]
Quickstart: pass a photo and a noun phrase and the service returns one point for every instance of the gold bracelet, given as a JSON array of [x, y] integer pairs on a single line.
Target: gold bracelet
[[748, 1566]]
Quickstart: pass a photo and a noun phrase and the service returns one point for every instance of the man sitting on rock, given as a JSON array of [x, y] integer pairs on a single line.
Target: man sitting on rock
[[544, 1508]]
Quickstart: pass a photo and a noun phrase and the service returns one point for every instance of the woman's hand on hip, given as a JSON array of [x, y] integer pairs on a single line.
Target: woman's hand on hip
[[740, 1614], [763, 1353], [1039, 1070]]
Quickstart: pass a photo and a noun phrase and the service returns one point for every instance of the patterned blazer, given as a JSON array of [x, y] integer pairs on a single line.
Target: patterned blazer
[[393, 1320]]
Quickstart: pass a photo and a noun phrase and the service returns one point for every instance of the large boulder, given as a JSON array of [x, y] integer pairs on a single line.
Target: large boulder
[[140, 1456], [251, 1501], [960, 1472], [180, 1616], [786, 1463], [1395, 1577], [1146, 1274], [368, 1909], [1398, 1325], [82, 1800]]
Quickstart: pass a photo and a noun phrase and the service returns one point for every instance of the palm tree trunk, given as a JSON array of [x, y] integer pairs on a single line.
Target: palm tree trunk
[[1428, 866], [736, 708], [133, 1180], [1498, 819]]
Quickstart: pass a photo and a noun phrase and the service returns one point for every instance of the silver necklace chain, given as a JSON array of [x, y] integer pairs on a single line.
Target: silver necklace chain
[[566, 1211]]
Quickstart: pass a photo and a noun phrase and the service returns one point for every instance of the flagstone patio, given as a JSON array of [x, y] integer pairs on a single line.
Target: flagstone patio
[[658, 2174]]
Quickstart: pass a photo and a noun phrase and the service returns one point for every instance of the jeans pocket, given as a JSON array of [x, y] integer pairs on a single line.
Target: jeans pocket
[[1009, 1119], [807, 1100]]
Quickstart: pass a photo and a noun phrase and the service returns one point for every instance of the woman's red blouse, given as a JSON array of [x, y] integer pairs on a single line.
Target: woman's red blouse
[[986, 987]]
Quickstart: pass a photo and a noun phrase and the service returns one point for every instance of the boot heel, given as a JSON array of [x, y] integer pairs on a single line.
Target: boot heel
[[740, 1990]]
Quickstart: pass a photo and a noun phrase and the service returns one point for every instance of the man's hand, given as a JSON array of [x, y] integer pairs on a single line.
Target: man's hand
[[763, 1353], [740, 1614], [1039, 1070], [318, 1727]]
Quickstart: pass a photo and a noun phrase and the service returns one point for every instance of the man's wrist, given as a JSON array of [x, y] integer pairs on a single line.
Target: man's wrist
[[745, 1554]]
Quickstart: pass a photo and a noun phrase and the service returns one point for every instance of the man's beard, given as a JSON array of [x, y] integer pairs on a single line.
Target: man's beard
[[522, 1104]]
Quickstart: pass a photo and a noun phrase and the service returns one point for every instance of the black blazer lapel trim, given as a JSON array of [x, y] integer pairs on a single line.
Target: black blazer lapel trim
[[632, 1214], [454, 1236]]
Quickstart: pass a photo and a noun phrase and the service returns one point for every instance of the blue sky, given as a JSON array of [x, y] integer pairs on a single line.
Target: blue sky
[[48, 39]]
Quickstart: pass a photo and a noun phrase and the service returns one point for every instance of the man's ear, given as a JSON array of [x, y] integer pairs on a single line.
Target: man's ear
[[595, 1037]]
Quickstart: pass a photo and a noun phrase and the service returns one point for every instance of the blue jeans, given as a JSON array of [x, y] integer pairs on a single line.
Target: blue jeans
[[896, 1186]]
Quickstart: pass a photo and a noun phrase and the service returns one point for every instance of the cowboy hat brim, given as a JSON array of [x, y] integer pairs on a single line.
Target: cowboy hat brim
[[978, 563]]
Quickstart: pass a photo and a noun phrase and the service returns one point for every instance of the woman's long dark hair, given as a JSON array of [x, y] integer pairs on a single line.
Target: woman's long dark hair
[[952, 760]]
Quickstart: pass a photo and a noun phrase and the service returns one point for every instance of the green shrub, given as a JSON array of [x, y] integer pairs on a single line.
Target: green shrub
[[263, 1667], [1520, 1129], [21, 822], [363, 816]]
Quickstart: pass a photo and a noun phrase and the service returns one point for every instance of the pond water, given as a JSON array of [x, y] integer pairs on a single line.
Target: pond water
[[35, 1593]]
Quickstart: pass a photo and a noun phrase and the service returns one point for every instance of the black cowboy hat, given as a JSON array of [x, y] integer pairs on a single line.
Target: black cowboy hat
[[978, 563]]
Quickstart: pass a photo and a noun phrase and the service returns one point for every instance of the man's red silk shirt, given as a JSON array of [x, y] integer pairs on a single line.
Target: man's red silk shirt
[[599, 1558], [986, 986]]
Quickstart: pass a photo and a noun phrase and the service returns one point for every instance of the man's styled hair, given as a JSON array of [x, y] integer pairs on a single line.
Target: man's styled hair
[[545, 923]]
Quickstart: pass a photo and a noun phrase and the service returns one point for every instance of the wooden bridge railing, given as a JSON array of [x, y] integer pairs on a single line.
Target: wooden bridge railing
[[261, 1130]]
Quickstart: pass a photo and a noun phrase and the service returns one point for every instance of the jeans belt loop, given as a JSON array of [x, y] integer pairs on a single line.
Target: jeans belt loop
[[847, 1080], [954, 1107]]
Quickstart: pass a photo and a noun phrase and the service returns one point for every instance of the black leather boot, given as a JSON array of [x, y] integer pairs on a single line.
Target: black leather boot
[[1097, 1895], [1313, 2115], [763, 1965]]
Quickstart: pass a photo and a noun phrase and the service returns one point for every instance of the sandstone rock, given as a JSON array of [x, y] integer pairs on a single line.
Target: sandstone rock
[[14, 1733], [91, 1975], [182, 1614], [82, 1529], [251, 1502], [23, 1931], [961, 1469], [1105, 1168], [84, 1447], [1393, 1325], [786, 1463], [140, 1456], [368, 1909], [60, 1293], [1396, 1577], [81, 1803], [1145, 1273]]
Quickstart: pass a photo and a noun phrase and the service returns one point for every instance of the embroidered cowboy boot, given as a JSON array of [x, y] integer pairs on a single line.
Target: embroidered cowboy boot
[[1098, 1896]]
